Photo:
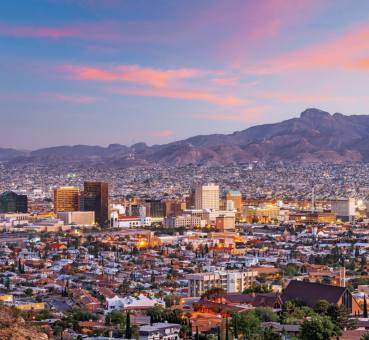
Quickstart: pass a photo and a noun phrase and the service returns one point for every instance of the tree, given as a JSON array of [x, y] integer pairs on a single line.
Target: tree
[[128, 334], [115, 317], [28, 292], [365, 337], [365, 308], [357, 252], [270, 334], [213, 294], [318, 328], [124, 287], [174, 316], [363, 262], [293, 311], [340, 316], [245, 324], [322, 307], [169, 300], [156, 313], [263, 288], [266, 314]]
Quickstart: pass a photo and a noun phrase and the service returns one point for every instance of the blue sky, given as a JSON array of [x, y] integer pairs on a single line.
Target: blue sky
[[116, 71]]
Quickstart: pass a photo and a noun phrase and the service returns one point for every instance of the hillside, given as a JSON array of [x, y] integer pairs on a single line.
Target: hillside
[[315, 136]]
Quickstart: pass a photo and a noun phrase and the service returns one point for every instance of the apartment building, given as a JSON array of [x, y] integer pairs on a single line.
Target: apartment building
[[230, 281]]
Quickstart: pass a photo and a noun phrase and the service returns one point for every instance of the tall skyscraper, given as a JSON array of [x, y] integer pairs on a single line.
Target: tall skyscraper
[[96, 198], [10, 202], [207, 196], [66, 199], [155, 208]]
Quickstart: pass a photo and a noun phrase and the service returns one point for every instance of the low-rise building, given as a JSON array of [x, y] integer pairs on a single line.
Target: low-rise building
[[230, 281], [160, 331]]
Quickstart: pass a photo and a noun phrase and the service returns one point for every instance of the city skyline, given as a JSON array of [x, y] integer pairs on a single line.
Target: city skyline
[[93, 72]]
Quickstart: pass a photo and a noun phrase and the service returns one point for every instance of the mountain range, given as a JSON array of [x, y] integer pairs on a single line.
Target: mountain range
[[314, 136]]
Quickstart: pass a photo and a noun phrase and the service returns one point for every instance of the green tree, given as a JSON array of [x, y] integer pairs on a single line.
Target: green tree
[[293, 311], [270, 334], [115, 317], [318, 328], [245, 324], [290, 270], [173, 316], [156, 313], [45, 314], [266, 314], [341, 317], [213, 294], [322, 307], [261, 288]]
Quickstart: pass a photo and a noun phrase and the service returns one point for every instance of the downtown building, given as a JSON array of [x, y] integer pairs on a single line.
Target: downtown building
[[10, 202], [207, 196], [96, 199], [67, 199]]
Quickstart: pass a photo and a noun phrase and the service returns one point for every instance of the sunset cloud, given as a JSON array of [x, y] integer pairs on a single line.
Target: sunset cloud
[[201, 95], [289, 97], [77, 99], [342, 52], [163, 133], [248, 115], [130, 73]]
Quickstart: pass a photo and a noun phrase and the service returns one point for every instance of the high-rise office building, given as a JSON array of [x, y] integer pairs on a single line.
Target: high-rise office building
[[235, 197], [10, 202], [96, 198], [155, 208], [66, 199], [207, 196]]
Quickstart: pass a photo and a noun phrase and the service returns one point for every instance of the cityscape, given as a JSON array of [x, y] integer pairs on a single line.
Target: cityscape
[[181, 170]]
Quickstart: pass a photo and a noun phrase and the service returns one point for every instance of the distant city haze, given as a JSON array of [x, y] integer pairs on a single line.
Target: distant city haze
[[103, 72]]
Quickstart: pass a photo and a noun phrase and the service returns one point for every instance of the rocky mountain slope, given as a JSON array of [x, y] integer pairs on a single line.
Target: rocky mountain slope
[[15, 328], [315, 136]]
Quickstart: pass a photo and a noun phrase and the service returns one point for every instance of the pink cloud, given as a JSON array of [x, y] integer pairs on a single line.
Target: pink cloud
[[92, 31], [249, 115], [185, 94], [288, 98], [252, 23], [38, 32], [343, 52], [163, 133], [131, 73], [69, 98], [158, 82], [226, 81]]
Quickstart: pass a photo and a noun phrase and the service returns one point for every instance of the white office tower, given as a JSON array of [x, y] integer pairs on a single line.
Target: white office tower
[[344, 208], [207, 196]]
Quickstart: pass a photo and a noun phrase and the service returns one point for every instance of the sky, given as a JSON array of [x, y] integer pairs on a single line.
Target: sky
[[117, 71]]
